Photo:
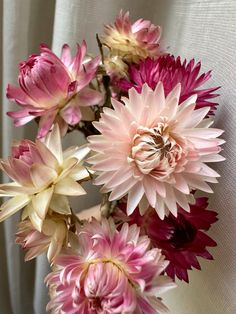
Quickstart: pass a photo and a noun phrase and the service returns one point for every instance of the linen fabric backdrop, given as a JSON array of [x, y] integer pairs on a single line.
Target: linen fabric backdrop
[[205, 30]]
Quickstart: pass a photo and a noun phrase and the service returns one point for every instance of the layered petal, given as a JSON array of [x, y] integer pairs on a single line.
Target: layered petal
[[48, 87], [171, 71], [152, 147], [108, 270], [182, 239], [43, 178]]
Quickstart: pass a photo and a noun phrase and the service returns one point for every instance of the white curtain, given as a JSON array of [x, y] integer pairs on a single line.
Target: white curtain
[[204, 29]]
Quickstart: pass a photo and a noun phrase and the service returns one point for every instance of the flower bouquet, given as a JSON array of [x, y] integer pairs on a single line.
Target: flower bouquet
[[147, 119]]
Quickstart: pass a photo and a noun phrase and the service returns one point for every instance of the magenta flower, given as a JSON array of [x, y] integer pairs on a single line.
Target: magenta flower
[[181, 239], [155, 150], [110, 272], [54, 89], [171, 71]]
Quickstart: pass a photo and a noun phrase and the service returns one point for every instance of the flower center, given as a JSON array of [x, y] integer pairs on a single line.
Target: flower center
[[26, 66], [183, 235], [23, 153], [155, 151]]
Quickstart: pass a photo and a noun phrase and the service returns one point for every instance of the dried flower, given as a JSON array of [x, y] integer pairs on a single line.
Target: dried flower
[[111, 272], [181, 239], [154, 150], [171, 71], [132, 42], [51, 239], [54, 89], [43, 176]]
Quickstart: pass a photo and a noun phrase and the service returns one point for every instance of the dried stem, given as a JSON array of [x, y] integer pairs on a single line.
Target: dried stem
[[100, 47]]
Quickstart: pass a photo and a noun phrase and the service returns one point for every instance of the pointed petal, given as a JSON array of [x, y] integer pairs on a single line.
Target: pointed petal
[[197, 116], [79, 173], [11, 206], [60, 204], [67, 186], [41, 202], [53, 142], [36, 221], [78, 152], [134, 197], [13, 188], [46, 122]]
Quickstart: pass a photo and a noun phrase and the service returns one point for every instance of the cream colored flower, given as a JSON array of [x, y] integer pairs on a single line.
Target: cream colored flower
[[43, 176]]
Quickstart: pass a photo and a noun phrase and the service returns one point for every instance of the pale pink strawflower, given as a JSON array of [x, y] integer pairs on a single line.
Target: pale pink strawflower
[[155, 150], [55, 89], [51, 239], [132, 42], [171, 71], [43, 176], [110, 272]]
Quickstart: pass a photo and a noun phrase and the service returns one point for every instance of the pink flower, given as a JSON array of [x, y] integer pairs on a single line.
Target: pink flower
[[51, 239], [155, 150], [110, 272], [43, 176], [54, 89], [132, 42], [181, 239], [171, 71]]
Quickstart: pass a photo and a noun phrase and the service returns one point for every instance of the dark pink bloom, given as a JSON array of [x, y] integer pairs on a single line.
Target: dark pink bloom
[[54, 89], [181, 238], [171, 71]]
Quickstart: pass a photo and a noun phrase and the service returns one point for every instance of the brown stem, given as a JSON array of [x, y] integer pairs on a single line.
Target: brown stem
[[100, 47]]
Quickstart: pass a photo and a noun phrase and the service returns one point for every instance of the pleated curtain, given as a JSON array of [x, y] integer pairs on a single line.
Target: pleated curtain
[[205, 30]]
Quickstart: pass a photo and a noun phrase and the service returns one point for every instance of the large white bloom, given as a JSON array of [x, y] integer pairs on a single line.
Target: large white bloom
[[155, 150]]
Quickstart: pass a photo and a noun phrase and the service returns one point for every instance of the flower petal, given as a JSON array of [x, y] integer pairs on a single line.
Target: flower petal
[[53, 142], [60, 204], [11, 206], [41, 202], [67, 186], [42, 175]]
